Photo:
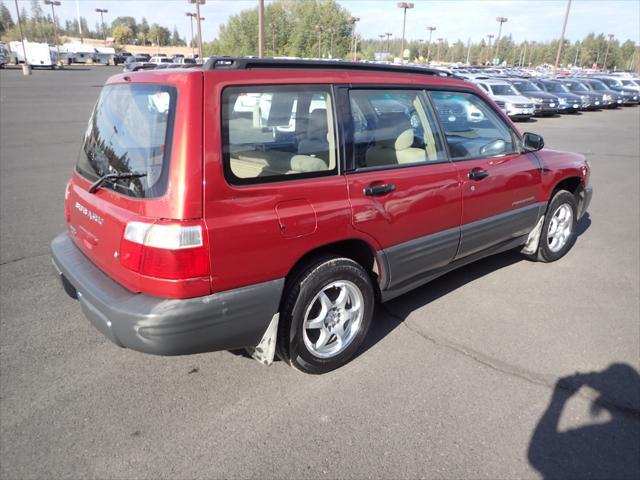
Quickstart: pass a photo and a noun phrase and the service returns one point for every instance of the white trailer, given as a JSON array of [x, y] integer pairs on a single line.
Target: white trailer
[[79, 52], [38, 54], [104, 55]]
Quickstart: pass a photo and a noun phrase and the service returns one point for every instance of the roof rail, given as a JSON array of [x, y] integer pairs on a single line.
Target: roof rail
[[249, 63]]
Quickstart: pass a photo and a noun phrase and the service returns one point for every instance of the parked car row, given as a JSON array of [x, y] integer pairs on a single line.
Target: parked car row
[[144, 61], [522, 96]]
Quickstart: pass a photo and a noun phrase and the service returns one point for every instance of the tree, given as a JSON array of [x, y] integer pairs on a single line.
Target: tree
[[128, 22], [6, 21], [176, 41], [143, 31], [122, 34], [293, 28], [159, 35]]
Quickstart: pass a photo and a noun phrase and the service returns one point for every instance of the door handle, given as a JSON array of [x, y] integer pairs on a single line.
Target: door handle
[[478, 174], [377, 190]]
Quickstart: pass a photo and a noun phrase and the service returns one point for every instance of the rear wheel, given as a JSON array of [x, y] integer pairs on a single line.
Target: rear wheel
[[559, 229], [326, 314]]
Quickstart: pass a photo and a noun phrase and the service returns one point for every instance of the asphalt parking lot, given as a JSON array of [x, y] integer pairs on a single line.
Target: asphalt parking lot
[[503, 369]]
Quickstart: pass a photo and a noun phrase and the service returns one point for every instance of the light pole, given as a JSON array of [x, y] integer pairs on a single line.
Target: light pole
[[191, 15], [55, 3], [439, 40], [606, 54], [404, 6], [353, 21], [431, 30], [26, 68], [489, 36], [533, 44], [199, 25], [561, 42], [388, 34], [500, 20], [260, 28], [468, 50], [102, 11], [332, 30], [319, 30], [273, 39]]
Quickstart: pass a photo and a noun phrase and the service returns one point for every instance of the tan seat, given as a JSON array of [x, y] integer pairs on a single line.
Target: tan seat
[[317, 130], [394, 150]]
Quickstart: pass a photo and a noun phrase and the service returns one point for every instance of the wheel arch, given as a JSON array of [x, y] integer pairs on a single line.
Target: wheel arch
[[356, 249], [572, 185]]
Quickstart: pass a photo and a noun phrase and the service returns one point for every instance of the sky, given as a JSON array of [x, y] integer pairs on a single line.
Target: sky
[[537, 20]]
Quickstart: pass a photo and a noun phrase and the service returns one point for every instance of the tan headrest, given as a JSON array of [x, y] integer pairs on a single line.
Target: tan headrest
[[318, 127], [394, 138]]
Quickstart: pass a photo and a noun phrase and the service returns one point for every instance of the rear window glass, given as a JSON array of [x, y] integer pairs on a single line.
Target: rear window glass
[[275, 133], [130, 132]]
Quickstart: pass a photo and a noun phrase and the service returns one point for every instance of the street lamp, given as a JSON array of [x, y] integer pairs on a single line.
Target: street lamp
[[431, 30], [199, 25], [273, 39], [388, 34], [191, 16], [500, 20], [260, 28], [489, 36], [353, 21], [319, 29], [102, 11], [561, 42], [606, 54], [26, 68], [404, 6], [55, 26], [439, 40], [332, 30], [533, 44]]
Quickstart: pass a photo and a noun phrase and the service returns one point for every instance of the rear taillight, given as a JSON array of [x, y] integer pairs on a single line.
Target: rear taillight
[[67, 209], [166, 249]]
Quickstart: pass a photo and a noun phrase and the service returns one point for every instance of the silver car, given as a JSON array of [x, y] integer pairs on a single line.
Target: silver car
[[508, 98]]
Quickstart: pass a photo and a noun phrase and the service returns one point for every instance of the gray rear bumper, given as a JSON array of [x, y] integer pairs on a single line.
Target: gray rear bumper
[[222, 321]]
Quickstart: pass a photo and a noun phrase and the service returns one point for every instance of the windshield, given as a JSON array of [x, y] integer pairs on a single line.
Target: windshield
[[597, 85], [130, 132], [503, 90], [525, 86], [577, 87], [630, 83], [555, 87]]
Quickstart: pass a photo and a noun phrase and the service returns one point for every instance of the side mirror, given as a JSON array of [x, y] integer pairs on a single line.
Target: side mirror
[[532, 142]]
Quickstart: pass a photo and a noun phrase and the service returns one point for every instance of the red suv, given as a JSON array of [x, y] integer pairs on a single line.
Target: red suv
[[268, 204]]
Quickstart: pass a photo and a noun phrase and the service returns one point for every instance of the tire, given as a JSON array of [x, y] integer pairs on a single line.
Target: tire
[[558, 231], [316, 288]]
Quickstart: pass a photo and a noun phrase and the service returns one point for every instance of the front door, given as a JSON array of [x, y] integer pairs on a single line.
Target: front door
[[501, 187], [404, 192]]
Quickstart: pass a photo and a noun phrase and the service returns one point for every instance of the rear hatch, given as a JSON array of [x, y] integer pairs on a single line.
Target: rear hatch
[[138, 129]]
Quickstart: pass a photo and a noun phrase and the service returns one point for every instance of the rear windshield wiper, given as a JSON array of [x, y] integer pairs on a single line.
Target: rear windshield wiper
[[113, 176]]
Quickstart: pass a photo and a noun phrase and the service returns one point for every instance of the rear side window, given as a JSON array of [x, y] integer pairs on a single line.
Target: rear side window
[[276, 133], [471, 127], [130, 131]]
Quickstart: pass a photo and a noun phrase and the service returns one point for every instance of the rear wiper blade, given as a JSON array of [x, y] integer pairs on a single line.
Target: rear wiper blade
[[113, 176]]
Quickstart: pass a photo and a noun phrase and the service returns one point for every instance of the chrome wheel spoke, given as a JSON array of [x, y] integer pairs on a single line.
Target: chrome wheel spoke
[[560, 227], [333, 319]]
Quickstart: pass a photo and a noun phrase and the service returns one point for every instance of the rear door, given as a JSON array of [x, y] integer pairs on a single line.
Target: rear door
[[501, 187], [403, 190]]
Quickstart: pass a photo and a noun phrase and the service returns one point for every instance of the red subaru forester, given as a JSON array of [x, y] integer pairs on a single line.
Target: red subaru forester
[[268, 204]]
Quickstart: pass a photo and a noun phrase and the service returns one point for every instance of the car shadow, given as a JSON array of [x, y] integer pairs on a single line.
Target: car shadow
[[389, 316], [600, 449]]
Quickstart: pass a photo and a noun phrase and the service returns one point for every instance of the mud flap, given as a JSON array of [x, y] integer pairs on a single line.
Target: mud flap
[[533, 240], [265, 351]]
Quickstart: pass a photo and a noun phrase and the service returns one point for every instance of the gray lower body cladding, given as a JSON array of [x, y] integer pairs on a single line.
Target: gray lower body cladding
[[416, 262], [227, 320]]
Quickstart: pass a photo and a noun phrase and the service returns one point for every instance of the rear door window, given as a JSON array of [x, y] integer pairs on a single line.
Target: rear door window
[[130, 131], [393, 128], [276, 133]]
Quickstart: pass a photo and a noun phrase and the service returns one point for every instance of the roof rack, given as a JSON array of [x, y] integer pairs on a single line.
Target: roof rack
[[249, 63]]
